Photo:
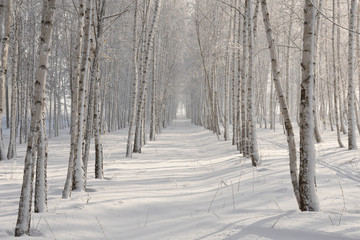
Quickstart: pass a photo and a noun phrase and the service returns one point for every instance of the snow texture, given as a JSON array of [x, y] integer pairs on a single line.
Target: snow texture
[[189, 185]]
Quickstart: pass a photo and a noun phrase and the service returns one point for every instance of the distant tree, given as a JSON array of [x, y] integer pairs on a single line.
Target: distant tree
[[14, 99], [5, 22], [351, 114], [335, 77]]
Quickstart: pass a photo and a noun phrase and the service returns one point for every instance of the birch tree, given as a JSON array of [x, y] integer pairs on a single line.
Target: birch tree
[[153, 98], [335, 77], [351, 116], [24, 213], [79, 174], [5, 22], [254, 154], [99, 156], [283, 101], [307, 177], [135, 85], [144, 80], [41, 169], [75, 99], [14, 103]]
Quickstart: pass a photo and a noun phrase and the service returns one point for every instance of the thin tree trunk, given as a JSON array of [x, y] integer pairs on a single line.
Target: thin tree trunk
[[307, 178], [235, 107], [144, 80], [351, 116], [227, 83], [14, 81], [24, 214], [342, 108], [317, 133], [75, 100], [287, 68], [283, 102], [79, 175], [335, 76], [254, 153], [135, 86], [153, 99], [5, 22], [99, 156], [41, 169], [244, 77]]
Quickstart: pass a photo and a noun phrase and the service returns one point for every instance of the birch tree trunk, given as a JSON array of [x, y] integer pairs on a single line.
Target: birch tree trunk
[[79, 174], [235, 107], [153, 99], [307, 179], [14, 81], [317, 133], [335, 76], [99, 156], [5, 22], [283, 102], [241, 89], [287, 68], [24, 213], [254, 153], [226, 85], [144, 80], [244, 123], [351, 116], [89, 122], [41, 169], [75, 100], [135, 86], [342, 107]]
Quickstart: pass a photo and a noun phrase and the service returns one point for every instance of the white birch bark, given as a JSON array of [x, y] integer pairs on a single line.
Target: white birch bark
[[99, 156], [283, 102], [243, 105], [241, 92], [14, 81], [235, 107], [41, 169], [317, 133], [307, 178], [24, 213], [5, 22], [75, 100], [144, 80], [287, 57], [133, 109], [79, 175], [335, 76], [89, 121], [351, 116], [153, 99], [227, 83], [340, 76], [254, 153]]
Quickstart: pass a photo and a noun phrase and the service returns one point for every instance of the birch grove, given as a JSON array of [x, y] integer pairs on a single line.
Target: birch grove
[[235, 68]]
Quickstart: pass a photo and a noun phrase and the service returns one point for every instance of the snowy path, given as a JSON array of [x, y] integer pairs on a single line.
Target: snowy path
[[189, 185]]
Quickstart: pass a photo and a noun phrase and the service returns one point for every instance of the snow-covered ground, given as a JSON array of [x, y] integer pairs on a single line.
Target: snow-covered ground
[[190, 185]]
